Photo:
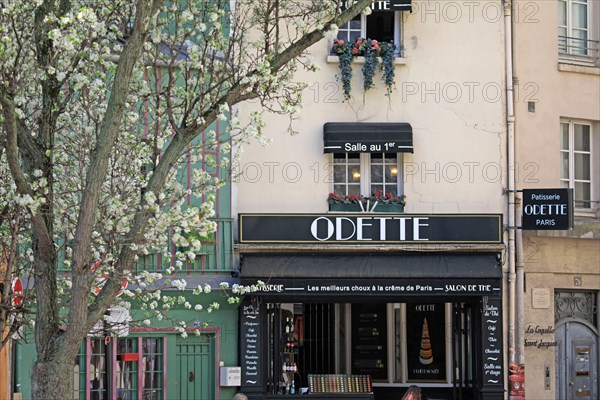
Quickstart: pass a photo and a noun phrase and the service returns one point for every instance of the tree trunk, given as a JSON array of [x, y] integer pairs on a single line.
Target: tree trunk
[[53, 378]]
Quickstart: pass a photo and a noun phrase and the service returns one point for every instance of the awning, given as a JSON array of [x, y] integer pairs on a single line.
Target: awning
[[371, 265], [401, 5], [354, 277], [369, 137], [382, 6]]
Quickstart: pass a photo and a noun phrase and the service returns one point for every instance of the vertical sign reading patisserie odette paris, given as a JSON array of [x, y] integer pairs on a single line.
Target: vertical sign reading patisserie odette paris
[[425, 342], [547, 209]]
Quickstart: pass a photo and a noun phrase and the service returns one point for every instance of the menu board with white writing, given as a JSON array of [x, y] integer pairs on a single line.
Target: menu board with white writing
[[425, 341], [369, 340], [492, 341], [250, 336]]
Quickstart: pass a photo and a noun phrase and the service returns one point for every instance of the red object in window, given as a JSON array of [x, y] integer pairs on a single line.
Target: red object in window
[[128, 357]]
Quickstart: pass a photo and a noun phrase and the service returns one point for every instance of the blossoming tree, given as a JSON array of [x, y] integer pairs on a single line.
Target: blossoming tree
[[99, 100]]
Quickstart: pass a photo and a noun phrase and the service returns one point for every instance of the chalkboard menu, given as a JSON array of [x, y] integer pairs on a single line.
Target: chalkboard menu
[[492, 341], [369, 340], [250, 337], [425, 342]]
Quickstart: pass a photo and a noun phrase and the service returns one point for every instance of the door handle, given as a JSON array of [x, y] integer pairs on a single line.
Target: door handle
[[571, 383]]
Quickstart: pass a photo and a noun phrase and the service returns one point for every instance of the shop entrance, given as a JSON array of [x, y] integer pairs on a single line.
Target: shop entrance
[[196, 371], [430, 344]]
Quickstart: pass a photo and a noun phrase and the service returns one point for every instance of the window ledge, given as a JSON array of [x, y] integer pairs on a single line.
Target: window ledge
[[573, 66], [361, 60]]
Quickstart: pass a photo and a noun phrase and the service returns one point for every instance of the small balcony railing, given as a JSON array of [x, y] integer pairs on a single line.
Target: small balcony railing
[[583, 50], [215, 256]]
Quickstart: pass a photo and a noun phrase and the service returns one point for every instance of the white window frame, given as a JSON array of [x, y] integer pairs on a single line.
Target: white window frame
[[569, 49], [570, 180], [397, 29], [365, 173]]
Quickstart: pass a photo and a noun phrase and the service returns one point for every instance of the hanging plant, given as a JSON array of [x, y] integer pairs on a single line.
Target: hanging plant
[[387, 54], [345, 55], [370, 50]]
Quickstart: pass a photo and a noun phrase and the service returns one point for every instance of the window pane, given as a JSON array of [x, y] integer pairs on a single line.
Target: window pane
[[353, 174], [354, 35], [339, 173], [355, 23], [391, 159], [582, 194], [391, 173], [579, 44], [582, 166], [126, 370], [339, 189], [97, 370], [152, 368], [564, 136], [354, 189], [562, 13], [376, 173], [380, 26], [564, 165], [582, 137], [79, 373], [562, 41], [579, 16], [375, 188]]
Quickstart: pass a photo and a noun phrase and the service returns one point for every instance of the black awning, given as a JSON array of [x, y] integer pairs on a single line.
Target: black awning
[[401, 5], [369, 137], [382, 6], [366, 266], [351, 277]]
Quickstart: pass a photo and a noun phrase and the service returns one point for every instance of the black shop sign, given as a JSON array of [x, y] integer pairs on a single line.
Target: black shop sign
[[547, 209], [370, 228]]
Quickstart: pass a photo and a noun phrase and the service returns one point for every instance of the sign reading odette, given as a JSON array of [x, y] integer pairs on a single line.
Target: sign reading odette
[[386, 5], [370, 228], [547, 209]]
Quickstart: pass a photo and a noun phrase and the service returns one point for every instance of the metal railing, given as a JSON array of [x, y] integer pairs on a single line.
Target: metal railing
[[215, 256], [578, 47]]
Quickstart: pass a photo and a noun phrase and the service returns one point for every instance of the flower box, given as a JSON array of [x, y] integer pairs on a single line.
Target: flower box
[[355, 207]]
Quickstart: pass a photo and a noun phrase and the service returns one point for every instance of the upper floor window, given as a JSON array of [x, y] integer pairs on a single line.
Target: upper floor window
[[577, 161], [366, 173], [574, 33], [380, 25]]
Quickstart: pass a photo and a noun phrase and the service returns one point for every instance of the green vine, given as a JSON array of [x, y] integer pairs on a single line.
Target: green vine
[[388, 51], [371, 50], [344, 52]]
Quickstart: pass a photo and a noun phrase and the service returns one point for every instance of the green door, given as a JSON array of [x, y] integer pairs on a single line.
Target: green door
[[197, 367]]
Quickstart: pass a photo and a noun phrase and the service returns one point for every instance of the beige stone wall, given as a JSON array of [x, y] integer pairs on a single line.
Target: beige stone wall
[[448, 88], [563, 259], [555, 89]]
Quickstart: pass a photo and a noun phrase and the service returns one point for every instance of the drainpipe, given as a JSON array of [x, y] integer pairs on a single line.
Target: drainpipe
[[510, 126], [518, 212]]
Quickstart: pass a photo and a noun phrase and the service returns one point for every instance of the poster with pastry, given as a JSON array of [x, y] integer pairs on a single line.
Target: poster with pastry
[[425, 337]]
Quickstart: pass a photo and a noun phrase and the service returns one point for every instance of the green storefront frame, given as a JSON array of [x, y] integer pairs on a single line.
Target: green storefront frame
[[202, 355]]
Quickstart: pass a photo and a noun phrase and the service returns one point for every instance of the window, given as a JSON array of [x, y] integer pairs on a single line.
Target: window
[[576, 161], [138, 369], [366, 173], [383, 26], [573, 29]]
